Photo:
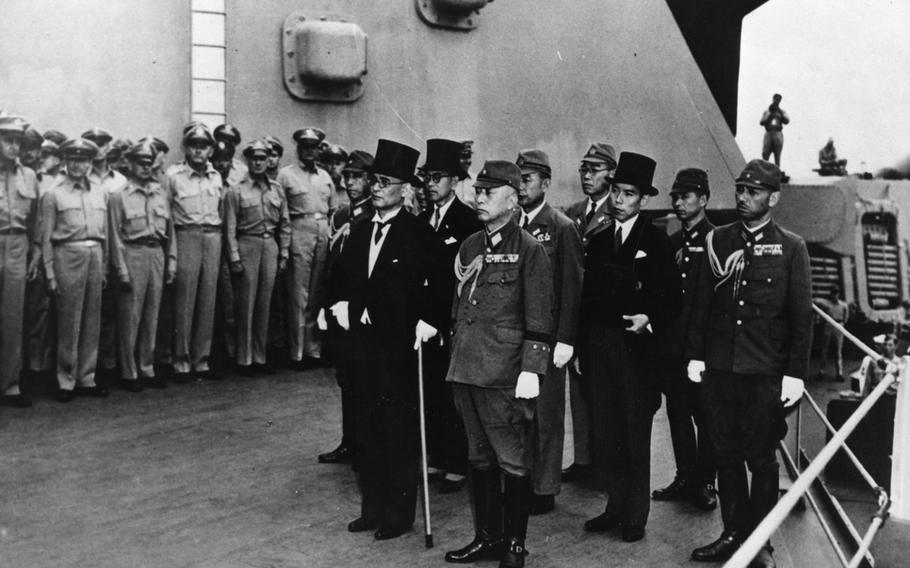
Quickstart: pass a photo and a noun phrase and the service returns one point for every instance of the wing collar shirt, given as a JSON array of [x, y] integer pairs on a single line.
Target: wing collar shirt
[[195, 196], [626, 227]]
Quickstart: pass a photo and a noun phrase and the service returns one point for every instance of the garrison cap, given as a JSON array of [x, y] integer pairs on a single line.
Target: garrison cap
[[258, 146], [310, 135], [334, 151], [79, 148], [228, 133], [49, 147], [157, 143], [98, 135], [498, 172], [691, 179], [197, 132], [276, 145], [13, 124], [359, 161], [32, 140], [143, 150], [601, 153], [760, 175], [534, 160], [638, 170], [55, 136], [222, 150]]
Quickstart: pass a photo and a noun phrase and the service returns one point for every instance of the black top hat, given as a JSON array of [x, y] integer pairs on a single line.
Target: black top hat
[[444, 156], [396, 160], [638, 170]]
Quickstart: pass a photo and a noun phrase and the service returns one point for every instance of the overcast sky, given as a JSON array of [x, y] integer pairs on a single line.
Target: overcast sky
[[843, 68]]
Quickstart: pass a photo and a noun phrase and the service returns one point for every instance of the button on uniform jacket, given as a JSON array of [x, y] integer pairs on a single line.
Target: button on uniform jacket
[[689, 247], [760, 323], [503, 326], [599, 223]]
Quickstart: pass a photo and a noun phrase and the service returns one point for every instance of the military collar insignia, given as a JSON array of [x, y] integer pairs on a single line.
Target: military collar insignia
[[542, 237]]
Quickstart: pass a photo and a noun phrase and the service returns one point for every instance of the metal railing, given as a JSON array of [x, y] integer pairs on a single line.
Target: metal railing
[[801, 486]]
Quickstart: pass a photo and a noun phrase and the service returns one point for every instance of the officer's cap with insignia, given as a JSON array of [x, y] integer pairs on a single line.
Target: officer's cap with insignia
[[359, 162], [120, 147], [334, 152], [496, 173], [601, 153], [142, 151], [157, 143], [197, 132], [257, 147], [75, 148], [691, 179], [55, 136], [98, 135], [760, 174], [534, 160], [309, 135], [228, 133], [50, 148], [276, 145], [223, 151], [11, 124], [32, 140]]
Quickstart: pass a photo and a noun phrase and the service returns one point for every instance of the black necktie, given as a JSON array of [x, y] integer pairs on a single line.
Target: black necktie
[[590, 214], [524, 222], [617, 238], [379, 227]]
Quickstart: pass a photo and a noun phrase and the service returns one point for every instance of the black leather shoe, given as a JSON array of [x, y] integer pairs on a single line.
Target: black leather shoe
[[719, 550], [130, 385], [341, 454], [153, 383], [447, 485], [65, 395], [763, 559], [386, 532], [704, 497], [96, 391], [360, 525], [602, 523], [17, 400], [633, 533], [479, 549], [514, 556], [542, 504], [676, 491], [182, 378], [575, 472]]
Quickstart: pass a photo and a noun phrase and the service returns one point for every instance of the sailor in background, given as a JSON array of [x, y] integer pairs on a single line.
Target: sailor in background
[[749, 343], [692, 448], [500, 352], [561, 239]]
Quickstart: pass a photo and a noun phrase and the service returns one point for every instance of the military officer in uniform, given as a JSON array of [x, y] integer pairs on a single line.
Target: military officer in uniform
[[749, 344], [500, 351], [229, 133], [144, 256], [258, 236], [308, 189], [453, 222], [562, 241], [19, 253], [333, 158], [356, 175], [631, 295], [692, 449], [195, 192], [591, 216], [30, 151], [389, 299], [73, 238], [278, 327], [276, 151], [464, 190]]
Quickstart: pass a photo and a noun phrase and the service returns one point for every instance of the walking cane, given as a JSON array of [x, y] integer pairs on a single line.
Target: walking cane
[[428, 530]]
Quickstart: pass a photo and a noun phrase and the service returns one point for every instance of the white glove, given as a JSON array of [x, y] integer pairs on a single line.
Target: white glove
[[340, 311], [640, 323], [695, 370], [528, 385], [424, 332], [320, 320], [562, 354], [791, 390]]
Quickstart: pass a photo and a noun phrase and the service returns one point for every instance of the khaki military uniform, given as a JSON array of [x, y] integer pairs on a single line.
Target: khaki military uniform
[[40, 321]]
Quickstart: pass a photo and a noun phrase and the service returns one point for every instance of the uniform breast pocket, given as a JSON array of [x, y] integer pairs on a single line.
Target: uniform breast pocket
[[191, 203], [250, 208], [273, 204], [70, 215], [160, 217], [768, 286], [134, 220], [502, 285]]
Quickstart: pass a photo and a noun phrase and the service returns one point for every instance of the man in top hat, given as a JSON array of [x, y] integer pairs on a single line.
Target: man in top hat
[[692, 449], [452, 221], [308, 189], [500, 353], [356, 176], [631, 295], [749, 345], [773, 119], [144, 257], [389, 298], [228, 133], [17, 235], [333, 157], [195, 191], [276, 151], [110, 181], [73, 239], [258, 236], [562, 241], [591, 216]]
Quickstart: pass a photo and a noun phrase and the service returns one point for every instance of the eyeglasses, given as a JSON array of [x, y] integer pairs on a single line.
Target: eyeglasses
[[586, 170], [385, 182], [434, 177]]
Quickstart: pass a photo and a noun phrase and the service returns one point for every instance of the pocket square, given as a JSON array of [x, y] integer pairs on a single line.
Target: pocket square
[[450, 240], [394, 260], [640, 254]]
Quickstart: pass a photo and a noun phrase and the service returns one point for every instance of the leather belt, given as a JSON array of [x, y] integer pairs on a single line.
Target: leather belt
[[80, 243], [316, 216], [263, 234], [149, 242], [203, 228], [13, 231]]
